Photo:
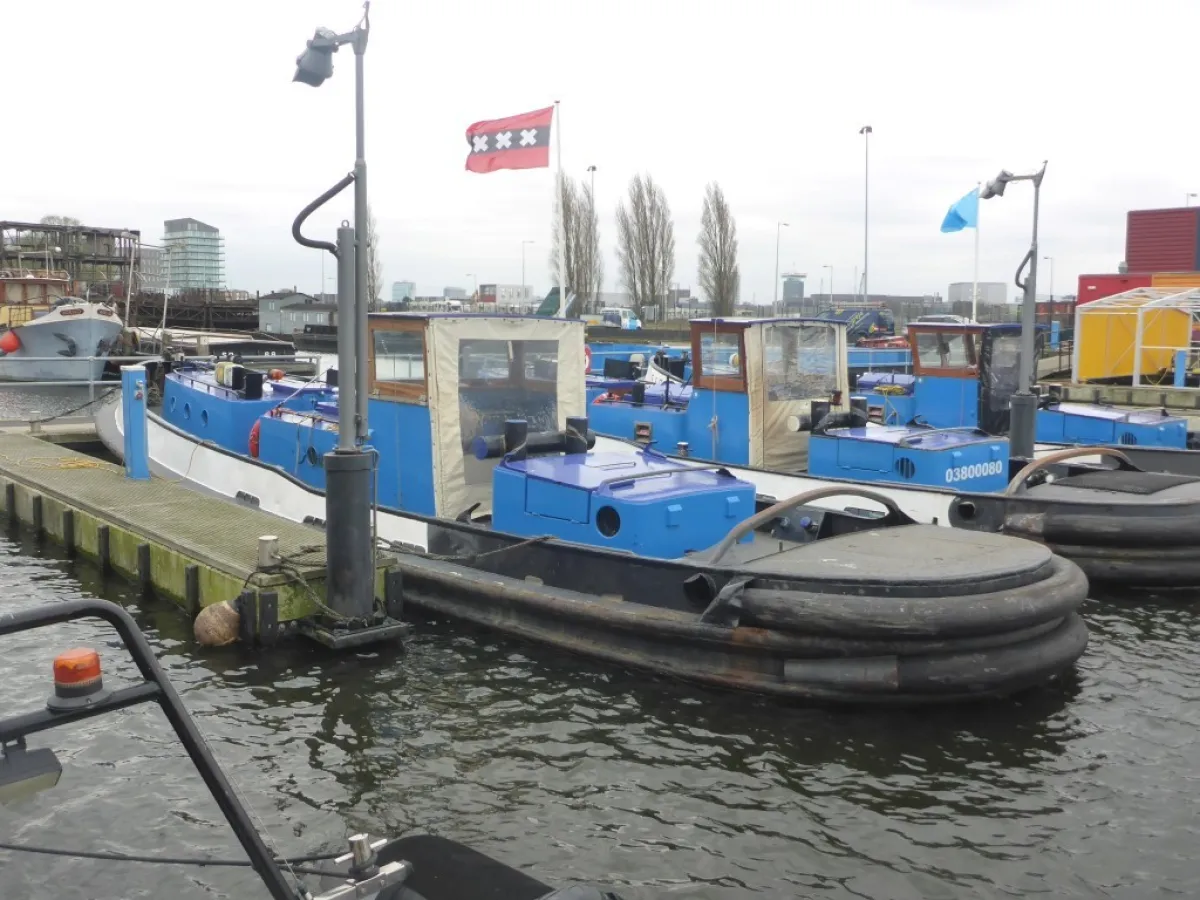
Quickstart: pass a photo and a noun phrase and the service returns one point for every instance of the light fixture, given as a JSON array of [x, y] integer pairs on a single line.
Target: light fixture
[[25, 772]]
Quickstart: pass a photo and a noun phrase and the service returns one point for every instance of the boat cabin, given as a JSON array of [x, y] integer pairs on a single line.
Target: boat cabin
[[749, 395], [964, 376], [439, 382]]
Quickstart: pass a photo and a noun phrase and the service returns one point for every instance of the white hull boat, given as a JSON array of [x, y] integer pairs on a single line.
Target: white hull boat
[[70, 342]]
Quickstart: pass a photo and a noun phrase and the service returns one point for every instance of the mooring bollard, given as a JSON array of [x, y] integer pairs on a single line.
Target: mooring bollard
[[133, 415]]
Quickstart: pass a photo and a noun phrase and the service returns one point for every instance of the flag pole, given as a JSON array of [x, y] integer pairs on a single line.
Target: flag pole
[[560, 188], [975, 279]]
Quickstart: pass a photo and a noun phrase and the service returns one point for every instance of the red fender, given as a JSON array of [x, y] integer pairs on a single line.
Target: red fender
[[255, 432]]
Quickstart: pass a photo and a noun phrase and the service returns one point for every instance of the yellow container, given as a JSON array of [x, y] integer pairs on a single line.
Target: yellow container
[[1181, 280]]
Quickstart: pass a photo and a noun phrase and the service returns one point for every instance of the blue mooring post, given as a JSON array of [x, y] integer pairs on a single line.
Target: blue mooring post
[[133, 415], [1181, 368]]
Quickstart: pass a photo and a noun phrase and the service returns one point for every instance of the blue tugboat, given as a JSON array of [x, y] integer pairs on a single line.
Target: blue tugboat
[[510, 512], [769, 399]]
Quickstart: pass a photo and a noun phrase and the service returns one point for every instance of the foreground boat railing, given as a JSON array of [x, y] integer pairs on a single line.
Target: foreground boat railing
[[79, 694]]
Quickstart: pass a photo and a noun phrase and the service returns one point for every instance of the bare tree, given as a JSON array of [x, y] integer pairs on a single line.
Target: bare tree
[[374, 264], [718, 252], [584, 264], [591, 260], [646, 245], [59, 220]]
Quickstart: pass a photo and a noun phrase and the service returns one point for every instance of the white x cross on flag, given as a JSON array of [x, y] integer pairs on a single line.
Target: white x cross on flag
[[480, 143], [504, 140], [528, 137]]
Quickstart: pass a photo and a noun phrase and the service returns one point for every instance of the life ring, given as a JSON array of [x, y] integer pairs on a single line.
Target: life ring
[[606, 397], [587, 358], [255, 434]]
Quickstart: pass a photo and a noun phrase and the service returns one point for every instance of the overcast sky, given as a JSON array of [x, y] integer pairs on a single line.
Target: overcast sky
[[136, 111]]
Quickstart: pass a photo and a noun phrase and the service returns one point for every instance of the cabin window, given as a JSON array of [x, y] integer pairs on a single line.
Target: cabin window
[[800, 362], [398, 363], [500, 380], [953, 350], [719, 359]]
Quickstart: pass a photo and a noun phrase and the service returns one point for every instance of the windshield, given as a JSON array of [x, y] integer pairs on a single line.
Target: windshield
[[800, 361]]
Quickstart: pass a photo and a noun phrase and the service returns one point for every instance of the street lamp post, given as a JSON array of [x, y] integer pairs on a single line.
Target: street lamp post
[[350, 540], [591, 283], [830, 268], [523, 243], [866, 132], [1188, 198], [1024, 403], [779, 226], [475, 289], [1050, 314]]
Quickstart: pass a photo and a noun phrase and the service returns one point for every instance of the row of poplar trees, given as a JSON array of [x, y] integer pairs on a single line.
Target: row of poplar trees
[[645, 247]]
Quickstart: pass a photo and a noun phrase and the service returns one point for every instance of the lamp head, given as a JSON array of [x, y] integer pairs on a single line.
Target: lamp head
[[995, 187], [315, 64]]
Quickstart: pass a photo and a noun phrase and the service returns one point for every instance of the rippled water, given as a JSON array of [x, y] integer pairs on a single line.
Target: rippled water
[[576, 771]]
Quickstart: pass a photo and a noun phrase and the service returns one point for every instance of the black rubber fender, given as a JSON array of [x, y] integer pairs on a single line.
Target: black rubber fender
[[1112, 527], [1158, 567], [1000, 671], [898, 618]]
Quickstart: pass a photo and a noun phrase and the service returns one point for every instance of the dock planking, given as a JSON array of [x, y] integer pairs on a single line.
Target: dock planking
[[192, 548]]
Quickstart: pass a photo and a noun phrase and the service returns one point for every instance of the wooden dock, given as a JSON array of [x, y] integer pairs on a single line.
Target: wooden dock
[[173, 541]]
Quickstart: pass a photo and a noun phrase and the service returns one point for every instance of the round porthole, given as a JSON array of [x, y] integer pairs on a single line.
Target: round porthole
[[174, 400], [608, 521], [187, 410], [204, 417]]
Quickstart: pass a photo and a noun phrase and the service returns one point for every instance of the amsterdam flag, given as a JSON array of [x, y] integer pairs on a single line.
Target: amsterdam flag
[[518, 142]]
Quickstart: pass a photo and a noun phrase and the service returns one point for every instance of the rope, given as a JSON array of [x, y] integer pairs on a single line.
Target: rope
[[170, 860], [76, 409], [468, 557]]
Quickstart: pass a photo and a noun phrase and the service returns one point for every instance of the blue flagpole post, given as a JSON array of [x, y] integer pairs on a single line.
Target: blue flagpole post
[[133, 417]]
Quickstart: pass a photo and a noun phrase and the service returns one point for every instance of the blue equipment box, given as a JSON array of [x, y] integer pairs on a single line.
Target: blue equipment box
[[1082, 423], [958, 458], [643, 502]]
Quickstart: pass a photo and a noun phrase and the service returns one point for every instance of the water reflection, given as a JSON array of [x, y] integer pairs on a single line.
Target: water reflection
[[583, 771]]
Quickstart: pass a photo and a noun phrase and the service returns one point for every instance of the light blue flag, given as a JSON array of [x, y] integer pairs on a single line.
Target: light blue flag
[[964, 213]]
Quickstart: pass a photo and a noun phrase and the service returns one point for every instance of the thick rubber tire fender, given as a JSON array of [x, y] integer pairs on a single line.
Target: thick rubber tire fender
[[893, 618]]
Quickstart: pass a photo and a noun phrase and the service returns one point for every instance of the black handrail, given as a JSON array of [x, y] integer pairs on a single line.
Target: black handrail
[[155, 687]]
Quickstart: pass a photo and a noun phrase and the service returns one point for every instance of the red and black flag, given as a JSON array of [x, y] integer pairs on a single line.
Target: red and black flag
[[518, 142]]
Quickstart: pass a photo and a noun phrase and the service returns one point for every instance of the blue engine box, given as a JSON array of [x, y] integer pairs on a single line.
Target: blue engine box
[[643, 502], [962, 459], [1082, 423]]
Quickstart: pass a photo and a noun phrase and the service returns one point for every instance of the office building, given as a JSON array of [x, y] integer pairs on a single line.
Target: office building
[[454, 293], [403, 290], [195, 256]]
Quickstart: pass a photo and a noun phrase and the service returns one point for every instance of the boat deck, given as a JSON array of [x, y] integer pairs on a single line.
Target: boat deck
[[194, 548]]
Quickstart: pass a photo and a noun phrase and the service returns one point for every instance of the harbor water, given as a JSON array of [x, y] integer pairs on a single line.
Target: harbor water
[[575, 770]]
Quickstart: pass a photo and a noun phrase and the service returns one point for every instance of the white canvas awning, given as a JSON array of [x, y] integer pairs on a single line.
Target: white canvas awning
[[485, 369]]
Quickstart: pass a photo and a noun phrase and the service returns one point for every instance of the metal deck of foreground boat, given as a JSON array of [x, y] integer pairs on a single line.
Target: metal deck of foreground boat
[[416, 867], [809, 613]]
